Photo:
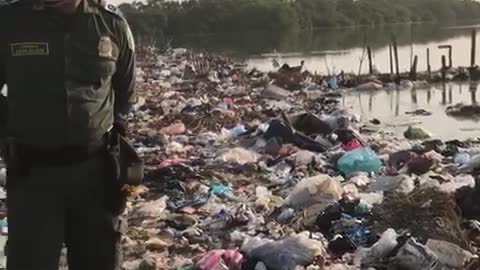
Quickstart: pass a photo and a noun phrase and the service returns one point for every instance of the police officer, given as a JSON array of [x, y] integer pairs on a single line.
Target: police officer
[[70, 68]]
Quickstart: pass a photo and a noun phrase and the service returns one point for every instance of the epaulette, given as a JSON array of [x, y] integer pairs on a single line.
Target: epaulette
[[110, 8], [7, 2]]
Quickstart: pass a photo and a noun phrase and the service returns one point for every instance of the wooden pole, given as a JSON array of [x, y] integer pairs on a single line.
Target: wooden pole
[[450, 59], [411, 44], [474, 48], [444, 67], [391, 60], [413, 69], [429, 67], [397, 65], [450, 49], [370, 63]]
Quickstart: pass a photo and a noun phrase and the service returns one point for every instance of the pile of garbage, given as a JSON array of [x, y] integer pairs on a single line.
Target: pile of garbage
[[243, 173]]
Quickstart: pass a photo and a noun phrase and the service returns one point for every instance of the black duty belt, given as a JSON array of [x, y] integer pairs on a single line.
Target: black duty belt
[[61, 156]]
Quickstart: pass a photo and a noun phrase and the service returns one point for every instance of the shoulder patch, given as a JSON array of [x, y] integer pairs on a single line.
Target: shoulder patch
[[110, 8], [7, 2]]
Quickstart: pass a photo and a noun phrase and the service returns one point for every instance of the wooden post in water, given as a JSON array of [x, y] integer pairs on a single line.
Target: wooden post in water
[[391, 60], [370, 63], [474, 48], [413, 69], [450, 60], [429, 67], [444, 67], [397, 65]]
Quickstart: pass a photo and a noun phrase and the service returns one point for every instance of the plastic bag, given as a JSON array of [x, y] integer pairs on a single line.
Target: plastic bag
[[152, 209], [401, 183], [385, 244], [450, 255], [174, 129], [459, 181], [416, 133], [286, 254], [359, 160], [360, 180], [239, 156], [237, 131], [221, 260], [420, 165], [472, 164], [462, 159], [263, 197], [275, 92], [221, 190], [352, 145], [414, 256], [304, 158], [382, 248], [317, 189]]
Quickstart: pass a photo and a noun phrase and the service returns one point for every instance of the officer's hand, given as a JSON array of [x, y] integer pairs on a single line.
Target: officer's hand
[[120, 125]]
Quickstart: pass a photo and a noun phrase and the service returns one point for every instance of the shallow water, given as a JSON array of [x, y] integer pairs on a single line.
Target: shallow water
[[390, 107], [336, 49]]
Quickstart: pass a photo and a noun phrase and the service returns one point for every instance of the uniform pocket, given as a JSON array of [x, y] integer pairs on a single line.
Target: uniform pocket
[[105, 68], [90, 60], [90, 70]]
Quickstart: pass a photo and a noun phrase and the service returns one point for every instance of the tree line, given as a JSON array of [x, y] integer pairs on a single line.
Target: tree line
[[163, 18]]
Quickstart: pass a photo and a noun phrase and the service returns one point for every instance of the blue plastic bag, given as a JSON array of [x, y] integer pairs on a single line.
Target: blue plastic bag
[[332, 83], [359, 160], [220, 190]]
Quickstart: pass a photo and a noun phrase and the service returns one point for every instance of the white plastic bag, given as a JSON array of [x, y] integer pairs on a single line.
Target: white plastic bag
[[152, 209], [239, 155], [317, 189], [458, 182], [382, 248], [450, 255]]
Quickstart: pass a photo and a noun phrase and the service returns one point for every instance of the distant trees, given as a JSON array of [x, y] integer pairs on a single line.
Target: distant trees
[[162, 18]]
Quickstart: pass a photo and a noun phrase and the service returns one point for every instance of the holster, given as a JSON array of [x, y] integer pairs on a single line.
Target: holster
[[10, 153], [129, 167]]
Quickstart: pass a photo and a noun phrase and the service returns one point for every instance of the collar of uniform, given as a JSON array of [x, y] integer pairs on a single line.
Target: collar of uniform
[[88, 7]]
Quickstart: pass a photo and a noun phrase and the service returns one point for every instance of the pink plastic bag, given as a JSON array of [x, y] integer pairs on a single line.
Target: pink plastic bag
[[221, 260], [352, 145], [172, 162]]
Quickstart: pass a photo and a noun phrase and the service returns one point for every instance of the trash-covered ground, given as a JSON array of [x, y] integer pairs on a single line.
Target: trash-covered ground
[[248, 170]]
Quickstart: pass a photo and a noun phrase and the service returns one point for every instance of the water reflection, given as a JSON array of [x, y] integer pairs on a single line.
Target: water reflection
[[339, 49], [390, 108], [397, 103], [414, 95], [332, 41], [473, 92], [444, 94], [450, 97]]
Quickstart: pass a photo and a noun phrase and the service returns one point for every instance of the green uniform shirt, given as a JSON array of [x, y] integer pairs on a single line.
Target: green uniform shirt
[[67, 76]]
